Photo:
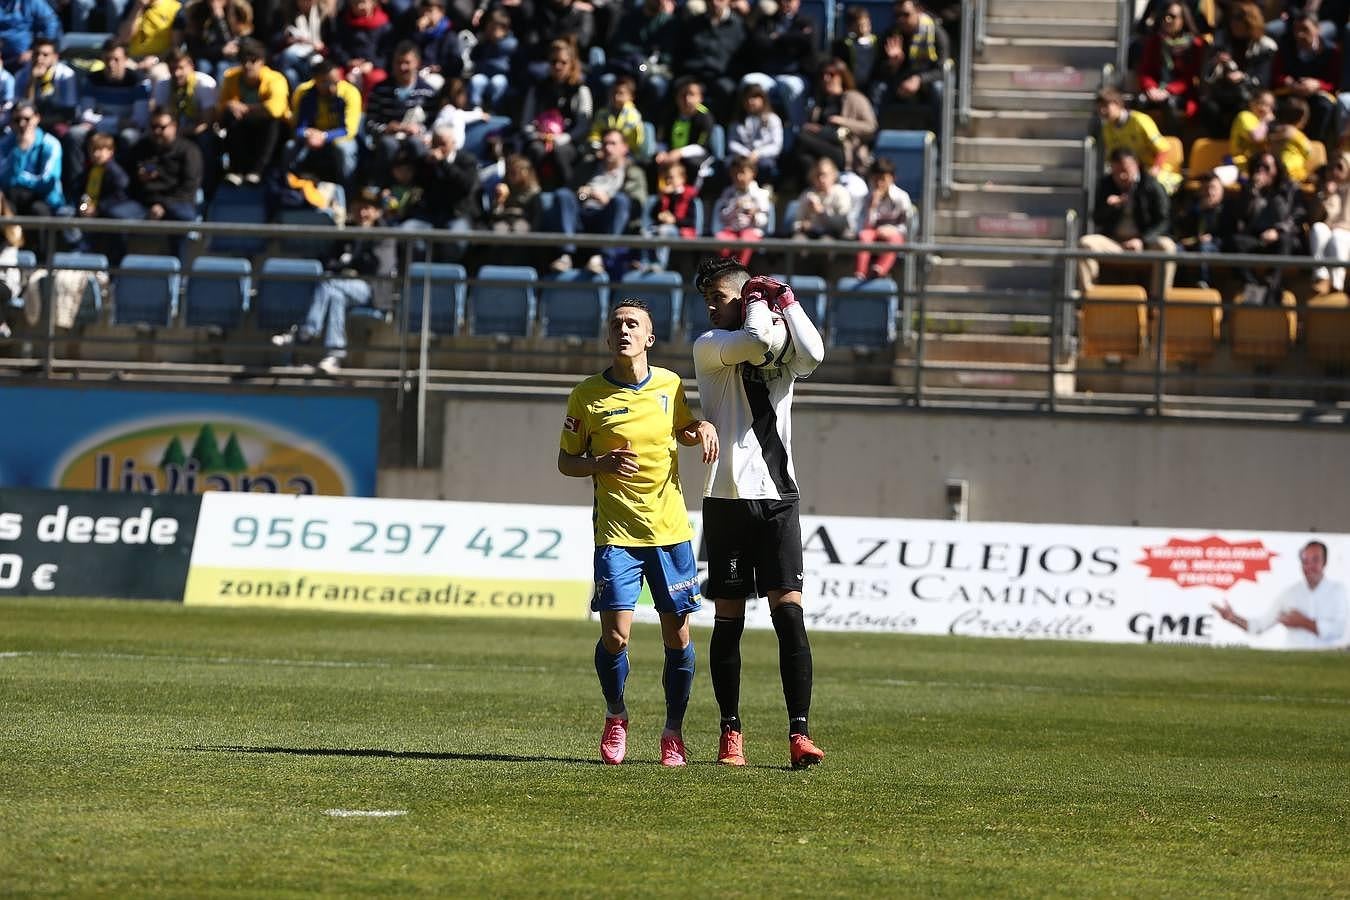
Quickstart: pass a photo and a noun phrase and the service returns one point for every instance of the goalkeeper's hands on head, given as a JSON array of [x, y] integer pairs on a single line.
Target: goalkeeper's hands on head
[[777, 294]]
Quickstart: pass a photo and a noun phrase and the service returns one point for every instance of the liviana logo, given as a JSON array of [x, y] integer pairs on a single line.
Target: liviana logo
[[186, 455]]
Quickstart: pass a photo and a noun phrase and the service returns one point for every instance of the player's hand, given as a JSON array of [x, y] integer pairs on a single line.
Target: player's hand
[[777, 294], [621, 462], [706, 433]]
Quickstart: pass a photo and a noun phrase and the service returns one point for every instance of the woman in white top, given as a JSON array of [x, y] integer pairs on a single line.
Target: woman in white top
[[742, 212], [885, 220], [1330, 236]]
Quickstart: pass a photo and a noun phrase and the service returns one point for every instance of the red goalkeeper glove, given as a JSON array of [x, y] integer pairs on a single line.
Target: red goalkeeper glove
[[777, 294]]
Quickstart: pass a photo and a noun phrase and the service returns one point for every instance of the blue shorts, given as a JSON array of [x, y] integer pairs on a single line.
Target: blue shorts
[[671, 573]]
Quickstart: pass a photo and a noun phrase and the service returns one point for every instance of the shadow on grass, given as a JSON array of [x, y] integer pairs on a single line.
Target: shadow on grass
[[427, 754]]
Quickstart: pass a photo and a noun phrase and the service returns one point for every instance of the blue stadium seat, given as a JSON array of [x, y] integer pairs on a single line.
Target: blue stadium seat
[[503, 301], [573, 304], [718, 142], [663, 291], [822, 13], [145, 291], [789, 216], [217, 292], [476, 134], [240, 204], [91, 306], [810, 291], [286, 288], [317, 247], [907, 150], [862, 313], [448, 285]]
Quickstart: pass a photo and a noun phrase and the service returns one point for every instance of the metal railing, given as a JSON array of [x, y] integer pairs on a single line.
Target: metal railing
[[1124, 28], [970, 46], [946, 150]]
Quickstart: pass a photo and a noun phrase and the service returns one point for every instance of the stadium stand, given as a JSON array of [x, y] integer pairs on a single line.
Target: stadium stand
[[217, 293]]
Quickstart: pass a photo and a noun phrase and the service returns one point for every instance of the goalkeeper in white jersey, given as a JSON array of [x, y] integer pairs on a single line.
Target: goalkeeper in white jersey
[[760, 343]]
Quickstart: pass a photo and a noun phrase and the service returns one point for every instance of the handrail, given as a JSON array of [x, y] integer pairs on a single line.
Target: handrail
[[948, 127], [1124, 26], [1091, 173], [928, 214], [969, 11], [980, 25]]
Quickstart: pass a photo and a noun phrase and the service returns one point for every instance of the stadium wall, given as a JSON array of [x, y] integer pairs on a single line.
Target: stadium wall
[[896, 463]]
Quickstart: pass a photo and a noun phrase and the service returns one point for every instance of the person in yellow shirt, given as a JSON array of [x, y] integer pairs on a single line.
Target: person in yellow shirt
[[147, 30], [621, 429], [326, 116], [1136, 132], [1287, 140], [252, 107], [1248, 134]]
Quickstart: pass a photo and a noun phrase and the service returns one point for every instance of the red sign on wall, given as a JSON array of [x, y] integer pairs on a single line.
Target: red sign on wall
[[1209, 562]]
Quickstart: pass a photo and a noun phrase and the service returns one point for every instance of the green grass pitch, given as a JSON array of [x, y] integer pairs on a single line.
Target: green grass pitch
[[155, 750]]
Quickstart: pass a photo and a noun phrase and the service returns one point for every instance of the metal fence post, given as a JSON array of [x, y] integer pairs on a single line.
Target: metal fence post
[[969, 10], [948, 126]]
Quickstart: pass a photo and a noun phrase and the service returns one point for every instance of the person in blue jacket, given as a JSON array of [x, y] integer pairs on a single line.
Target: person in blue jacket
[[30, 164], [20, 22]]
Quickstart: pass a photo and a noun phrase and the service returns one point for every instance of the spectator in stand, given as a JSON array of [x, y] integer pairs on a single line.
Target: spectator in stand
[[825, 208], [360, 273], [437, 42], [30, 165], [456, 112], [115, 100], [516, 199], [326, 116], [361, 46], [401, 194], [758, 137], [166, 173], [6, 94], [556, 116], [553, 21], [450, 197], [643, 47], [781, 56], [1287, 140], [1169, 69], [1238, 66], [1132, 214], [858, 48], [147, 31], [1262, 219], [885, 220], [191, 96], [687, 135], [907, 79], [1329, 236], [48, 83], [742, 211], [104, 184], [253, 112], [621, 115], [1197, 228], [401, 107], [493, 59], [675, 215], [22, 22], [211, 32], [300, 36], [708, 49], [1309, 68], [1134, 131], [609, 197], [1250, 128], [842, 123]]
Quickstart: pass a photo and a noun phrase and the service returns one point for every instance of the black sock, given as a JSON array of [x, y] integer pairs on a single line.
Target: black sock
[[724, 662], [794, 664]]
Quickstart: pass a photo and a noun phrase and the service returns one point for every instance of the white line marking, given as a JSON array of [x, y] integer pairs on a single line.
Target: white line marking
[[365, 813], [253, 661], [1102, 692]]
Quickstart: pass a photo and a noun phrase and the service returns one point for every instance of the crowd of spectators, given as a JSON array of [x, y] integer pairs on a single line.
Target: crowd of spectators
[[1257, 98]]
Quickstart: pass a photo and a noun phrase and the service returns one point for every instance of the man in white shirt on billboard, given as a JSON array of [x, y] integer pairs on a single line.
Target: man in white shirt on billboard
[[1312, 611]]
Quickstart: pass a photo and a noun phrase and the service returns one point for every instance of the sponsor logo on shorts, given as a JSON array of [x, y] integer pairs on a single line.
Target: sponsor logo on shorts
[[684, 585]]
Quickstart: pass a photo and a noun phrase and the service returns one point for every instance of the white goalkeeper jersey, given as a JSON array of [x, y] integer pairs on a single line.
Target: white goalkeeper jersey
[[750, 402]]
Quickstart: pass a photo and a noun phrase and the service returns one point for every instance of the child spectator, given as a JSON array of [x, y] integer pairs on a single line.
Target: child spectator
[[885, 220], [361, 46], [1330, 236], [493, 58], [824, 208], [1250, 127], [674, 216], [1197, 229], [516, 198], [1136, 132], [759, 136], [436, 39], [456, 112], [688, 133], [299, 38], [622, 116], [742, 212], [858, 47], [402, 194], [1287, 140], [105, 182]]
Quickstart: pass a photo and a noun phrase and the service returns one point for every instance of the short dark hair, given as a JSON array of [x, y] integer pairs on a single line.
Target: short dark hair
[[322, 68], [405, 47], [1120, 154], [1319, 545], [112, 44], [177, 55], [251, 50], [633, 303], [1290, 110], [882, 165], [1110, 95], [714, 268], [45, 41]]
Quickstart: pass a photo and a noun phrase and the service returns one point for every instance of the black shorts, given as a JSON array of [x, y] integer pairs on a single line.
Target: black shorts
[[754, 546]]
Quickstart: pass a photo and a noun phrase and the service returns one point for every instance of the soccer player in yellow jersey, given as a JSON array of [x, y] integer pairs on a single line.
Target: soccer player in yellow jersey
[[620, 430]]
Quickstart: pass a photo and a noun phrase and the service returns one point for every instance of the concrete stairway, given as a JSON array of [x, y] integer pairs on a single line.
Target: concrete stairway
[[1018, 162]]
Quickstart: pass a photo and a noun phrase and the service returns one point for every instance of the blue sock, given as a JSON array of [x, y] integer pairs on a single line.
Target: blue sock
[[678, 679], [613, 671]]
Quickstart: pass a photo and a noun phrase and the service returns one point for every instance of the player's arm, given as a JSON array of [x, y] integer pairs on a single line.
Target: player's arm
[[805, 336], [621, 462], [722, 349], [700, 432]]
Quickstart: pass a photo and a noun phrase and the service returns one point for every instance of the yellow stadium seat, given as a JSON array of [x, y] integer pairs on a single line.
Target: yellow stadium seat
[[1206, 153], [1326, 329], [1263, 334], [1175, 156], [1111, 322], [1317, 157], [1191, 331]]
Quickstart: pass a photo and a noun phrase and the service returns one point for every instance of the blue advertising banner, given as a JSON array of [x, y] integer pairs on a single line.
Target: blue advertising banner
[[186, 443]]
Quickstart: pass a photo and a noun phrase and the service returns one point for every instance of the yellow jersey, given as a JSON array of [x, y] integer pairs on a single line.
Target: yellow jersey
[[1139, 133], [646, 509], [1295, 150], [1246, 138]]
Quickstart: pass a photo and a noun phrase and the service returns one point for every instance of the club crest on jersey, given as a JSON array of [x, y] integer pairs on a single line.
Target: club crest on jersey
[[665, 402], [570, 424]]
